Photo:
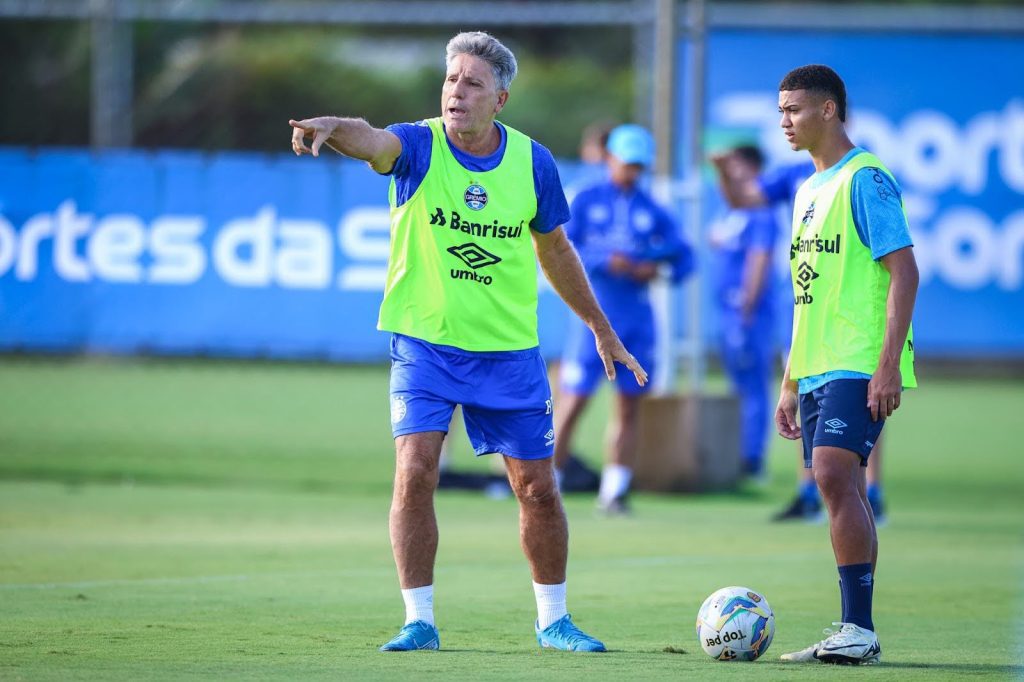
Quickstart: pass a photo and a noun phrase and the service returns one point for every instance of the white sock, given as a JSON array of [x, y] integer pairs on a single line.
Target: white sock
[[558, 478], [419, 604], [550, 603], [615, 480]]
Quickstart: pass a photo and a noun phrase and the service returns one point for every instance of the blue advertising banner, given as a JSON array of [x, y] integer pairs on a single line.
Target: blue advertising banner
[[186, 253], [946, 115]]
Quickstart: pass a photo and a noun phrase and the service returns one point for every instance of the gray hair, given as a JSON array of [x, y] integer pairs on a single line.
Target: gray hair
[[486, 47]]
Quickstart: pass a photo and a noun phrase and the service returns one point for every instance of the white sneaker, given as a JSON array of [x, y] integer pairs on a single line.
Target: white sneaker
[[850, 645]]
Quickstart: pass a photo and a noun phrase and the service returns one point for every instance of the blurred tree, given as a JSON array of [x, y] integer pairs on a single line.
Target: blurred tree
[[44, 78], [230, 87], [212, 86]]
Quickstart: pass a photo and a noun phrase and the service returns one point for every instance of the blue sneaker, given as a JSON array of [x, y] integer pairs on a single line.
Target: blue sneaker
[[418, 634], [563, 634]]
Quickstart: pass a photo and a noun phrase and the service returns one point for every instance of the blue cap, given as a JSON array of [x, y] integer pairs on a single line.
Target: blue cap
[[631, 143]]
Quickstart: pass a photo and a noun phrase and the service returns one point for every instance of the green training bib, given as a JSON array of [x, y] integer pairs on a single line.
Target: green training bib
[[839, 290], [462, 270]]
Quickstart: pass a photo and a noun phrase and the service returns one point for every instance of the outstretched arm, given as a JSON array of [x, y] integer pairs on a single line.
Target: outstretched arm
[[349, 136], [562, 267]]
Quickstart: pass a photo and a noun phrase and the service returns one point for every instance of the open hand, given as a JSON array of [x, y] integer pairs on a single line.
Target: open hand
[[785, 415], [611, 350], [884, 392]]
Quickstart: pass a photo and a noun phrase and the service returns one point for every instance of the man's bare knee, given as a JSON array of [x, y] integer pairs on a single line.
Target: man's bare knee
[[536, 492], [416, 470], [834, 476]]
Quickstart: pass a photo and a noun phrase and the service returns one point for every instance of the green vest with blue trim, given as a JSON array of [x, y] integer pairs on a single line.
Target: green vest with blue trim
[[840, 292], [462, 269]]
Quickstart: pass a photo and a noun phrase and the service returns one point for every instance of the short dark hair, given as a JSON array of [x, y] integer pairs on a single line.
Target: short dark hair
[[819, 79], [750, 154]]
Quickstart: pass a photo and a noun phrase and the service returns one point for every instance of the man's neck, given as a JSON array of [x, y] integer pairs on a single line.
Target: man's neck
[[831, 151], [483, 143]]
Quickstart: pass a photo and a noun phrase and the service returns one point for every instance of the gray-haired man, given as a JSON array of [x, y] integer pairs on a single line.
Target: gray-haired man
[[474, 206]]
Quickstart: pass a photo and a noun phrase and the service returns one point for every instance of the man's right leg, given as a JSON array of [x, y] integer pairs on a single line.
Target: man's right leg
[[413, 528], [413, 524]]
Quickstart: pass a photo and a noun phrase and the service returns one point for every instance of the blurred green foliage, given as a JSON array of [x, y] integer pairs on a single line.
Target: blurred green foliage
[[220, 87], [44, 81]]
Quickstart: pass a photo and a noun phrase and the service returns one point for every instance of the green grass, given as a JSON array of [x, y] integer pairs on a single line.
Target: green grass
[[163, 520]]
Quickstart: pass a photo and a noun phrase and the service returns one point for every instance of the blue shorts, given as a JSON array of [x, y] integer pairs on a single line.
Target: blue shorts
[[505, 396], [581, 369], [836, 415]]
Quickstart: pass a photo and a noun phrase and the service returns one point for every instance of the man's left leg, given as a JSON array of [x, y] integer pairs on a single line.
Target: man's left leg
[[840, 477], [863, 487], [544, 535]]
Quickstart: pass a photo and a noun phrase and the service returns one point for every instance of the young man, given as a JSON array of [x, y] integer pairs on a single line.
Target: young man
[[779, 186], [474, 206], [854, 283], [623, 237]]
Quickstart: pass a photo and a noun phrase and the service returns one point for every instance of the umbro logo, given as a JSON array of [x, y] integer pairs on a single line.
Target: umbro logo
[[805, 274], [835, 425], [866, 580], [473, 255]]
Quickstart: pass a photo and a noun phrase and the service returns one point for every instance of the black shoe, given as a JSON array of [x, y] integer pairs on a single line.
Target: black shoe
[[618, 506], [801, 509], [450, 479], [577, 477]]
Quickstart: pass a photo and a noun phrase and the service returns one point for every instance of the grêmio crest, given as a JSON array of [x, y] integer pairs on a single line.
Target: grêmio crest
[[475, 197]]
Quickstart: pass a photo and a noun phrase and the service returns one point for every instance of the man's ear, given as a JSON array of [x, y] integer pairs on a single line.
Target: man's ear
[[502, 99], [828, 110]]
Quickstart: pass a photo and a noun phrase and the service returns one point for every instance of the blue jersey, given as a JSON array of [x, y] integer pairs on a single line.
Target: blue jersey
[[738, 233], [411, 167], [606, 220]]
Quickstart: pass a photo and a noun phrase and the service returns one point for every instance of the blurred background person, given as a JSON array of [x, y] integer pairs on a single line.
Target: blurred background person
[[623, 238], [593, 157], [769, 189], [743, 240]]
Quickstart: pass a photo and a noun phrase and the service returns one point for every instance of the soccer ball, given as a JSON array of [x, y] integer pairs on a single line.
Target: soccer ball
[[735, 624]]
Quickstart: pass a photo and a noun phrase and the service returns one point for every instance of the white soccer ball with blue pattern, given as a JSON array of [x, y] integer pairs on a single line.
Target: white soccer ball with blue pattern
[[735, 624]]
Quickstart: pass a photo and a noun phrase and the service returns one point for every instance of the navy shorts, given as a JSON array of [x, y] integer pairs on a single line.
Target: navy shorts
[[836, 415], [505, 396]]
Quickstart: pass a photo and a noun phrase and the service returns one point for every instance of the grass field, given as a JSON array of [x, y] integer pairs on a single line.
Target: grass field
[[163, 520]]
